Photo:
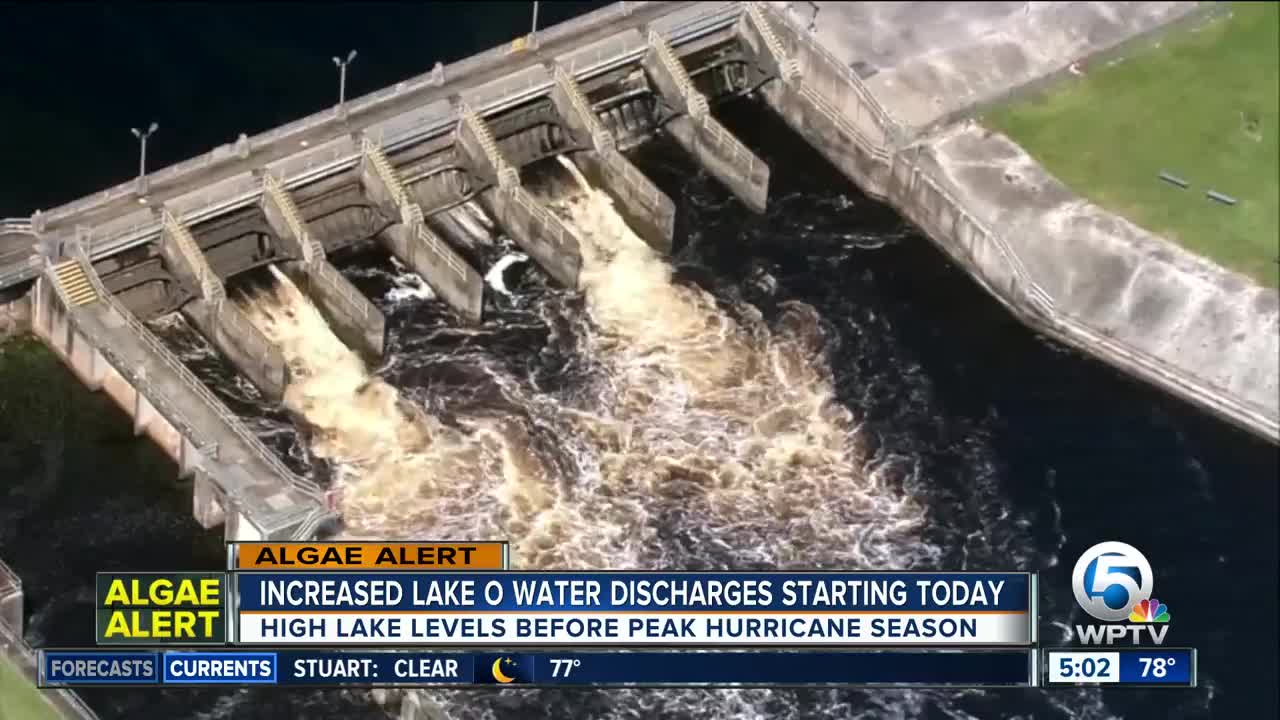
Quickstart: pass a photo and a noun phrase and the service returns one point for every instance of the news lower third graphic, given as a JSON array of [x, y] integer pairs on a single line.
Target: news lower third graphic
[[419, 614], [1113, 582]]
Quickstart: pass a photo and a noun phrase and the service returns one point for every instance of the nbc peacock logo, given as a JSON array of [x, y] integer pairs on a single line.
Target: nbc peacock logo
[[1150, 611]]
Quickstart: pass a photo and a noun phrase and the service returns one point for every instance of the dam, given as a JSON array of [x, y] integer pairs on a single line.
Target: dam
[[89, 274], [382, 164]]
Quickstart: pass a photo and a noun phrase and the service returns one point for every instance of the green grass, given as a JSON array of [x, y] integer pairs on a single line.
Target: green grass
[[1204, 106], [19, 699]]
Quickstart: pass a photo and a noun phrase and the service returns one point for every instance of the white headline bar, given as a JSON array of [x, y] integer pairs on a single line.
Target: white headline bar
[[670, 629]]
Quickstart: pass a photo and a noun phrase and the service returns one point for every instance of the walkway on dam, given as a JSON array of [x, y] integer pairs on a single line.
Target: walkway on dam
[[249, 477]]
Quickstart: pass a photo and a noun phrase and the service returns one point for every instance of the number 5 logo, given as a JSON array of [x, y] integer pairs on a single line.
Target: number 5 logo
[[1101, 574]]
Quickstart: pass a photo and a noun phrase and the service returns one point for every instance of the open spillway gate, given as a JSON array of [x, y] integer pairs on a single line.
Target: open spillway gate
[[102, 266]]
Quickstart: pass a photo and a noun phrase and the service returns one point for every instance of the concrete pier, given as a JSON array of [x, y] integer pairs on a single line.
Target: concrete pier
[[540, 233], [354, 319], [646, 209], [220, 322], [700, 134], [412, 242]]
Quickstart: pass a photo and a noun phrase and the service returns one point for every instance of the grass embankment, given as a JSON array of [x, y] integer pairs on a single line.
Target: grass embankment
[[19, 699], [1203, 105]]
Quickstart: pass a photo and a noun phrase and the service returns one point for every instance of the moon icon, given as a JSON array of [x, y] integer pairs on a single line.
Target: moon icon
[[498, 674]]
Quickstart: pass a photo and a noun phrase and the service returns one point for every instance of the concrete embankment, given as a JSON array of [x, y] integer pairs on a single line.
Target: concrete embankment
[[1064, 266], [15, 651]]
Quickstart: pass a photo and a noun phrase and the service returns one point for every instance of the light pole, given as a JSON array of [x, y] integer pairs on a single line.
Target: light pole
[[533, 34], [342, 75], [142, 138]]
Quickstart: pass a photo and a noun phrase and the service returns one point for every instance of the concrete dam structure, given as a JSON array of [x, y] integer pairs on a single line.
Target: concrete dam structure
[[86, 276]]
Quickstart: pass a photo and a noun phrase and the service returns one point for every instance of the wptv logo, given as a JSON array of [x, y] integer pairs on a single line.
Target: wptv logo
[[1112, 581]]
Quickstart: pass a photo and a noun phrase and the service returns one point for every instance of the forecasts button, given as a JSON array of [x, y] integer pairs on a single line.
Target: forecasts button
[[59, 668]]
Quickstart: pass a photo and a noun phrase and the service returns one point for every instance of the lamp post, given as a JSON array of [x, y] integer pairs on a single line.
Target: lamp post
[[342, 75], [142, 138], [533, 34]]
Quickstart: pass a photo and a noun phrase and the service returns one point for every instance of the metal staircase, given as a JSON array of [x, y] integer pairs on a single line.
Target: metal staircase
[[508, 178], [74, 283], [697, 104], [210, 285], [788, 67], [311, 249], [387, 173], [601, 139]]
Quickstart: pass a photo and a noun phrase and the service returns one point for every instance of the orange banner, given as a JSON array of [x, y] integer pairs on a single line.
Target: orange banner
[[357, 556]]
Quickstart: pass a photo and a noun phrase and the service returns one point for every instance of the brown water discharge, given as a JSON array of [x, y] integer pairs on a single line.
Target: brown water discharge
[[404, 473], [730, 426], [702, 442]]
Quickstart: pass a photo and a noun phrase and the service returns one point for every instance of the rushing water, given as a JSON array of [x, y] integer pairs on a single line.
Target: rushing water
[[815, 387]]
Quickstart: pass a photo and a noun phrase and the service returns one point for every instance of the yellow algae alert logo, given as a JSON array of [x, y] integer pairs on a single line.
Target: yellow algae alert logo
[[161, 608]]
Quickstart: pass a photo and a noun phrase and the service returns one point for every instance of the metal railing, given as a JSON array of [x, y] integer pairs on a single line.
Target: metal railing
[[893, 129], [1065, 326], [170, 410], [824, 106], [289, 210], [387, 173], [357, 106], [788, 66], [551, 225], [1036, 295], [682, 25], [15, 225], [209, 448], [440, 250], [697, 104], [354, 301], [411, 215], [601, 139], [507, 175], [210, 284], [725, 139], [641, 185]]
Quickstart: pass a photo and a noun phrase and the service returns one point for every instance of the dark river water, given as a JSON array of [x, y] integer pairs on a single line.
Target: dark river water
[[1010, 451]]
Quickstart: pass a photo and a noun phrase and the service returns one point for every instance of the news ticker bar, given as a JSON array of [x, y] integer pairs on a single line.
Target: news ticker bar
[[1146, 667], [1157, 666], [336, 668]]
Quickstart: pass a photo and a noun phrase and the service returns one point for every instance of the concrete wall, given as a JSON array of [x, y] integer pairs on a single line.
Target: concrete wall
[[77, 352], [354, 319], [537, 232], [15, 318], [1096, 279], [229, 330], [1064, 266], [708, 142]]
